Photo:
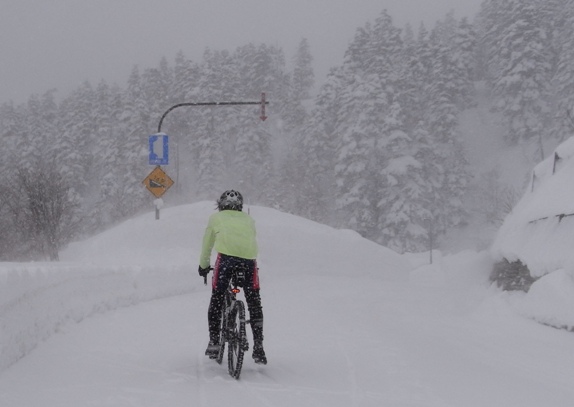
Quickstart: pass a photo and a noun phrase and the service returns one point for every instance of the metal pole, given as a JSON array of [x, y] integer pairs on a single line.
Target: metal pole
[[262, 102], [431, 242], [430, 234]]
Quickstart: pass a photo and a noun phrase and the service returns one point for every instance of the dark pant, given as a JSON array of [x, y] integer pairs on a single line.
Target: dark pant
[[224, 269]]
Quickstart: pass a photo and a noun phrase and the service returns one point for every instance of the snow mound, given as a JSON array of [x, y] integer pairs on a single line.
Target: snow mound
[[175, 239], [540, 228], [550, 300], [539, 232]]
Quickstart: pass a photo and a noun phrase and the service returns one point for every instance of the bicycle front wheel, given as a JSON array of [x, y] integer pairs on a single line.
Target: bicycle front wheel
[[237, 341]]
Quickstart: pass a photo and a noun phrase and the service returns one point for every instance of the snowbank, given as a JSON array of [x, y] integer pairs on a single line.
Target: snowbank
[[540, 232], [540, 229], [140, 260], [37, 300], [550, 300]]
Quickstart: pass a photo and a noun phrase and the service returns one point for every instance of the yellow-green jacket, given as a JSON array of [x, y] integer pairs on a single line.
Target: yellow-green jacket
[[231, 233]]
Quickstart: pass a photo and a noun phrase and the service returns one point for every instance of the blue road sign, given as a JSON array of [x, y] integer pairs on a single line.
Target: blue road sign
[[158, 149]]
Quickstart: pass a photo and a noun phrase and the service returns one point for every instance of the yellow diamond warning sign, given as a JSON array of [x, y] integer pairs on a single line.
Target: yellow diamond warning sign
[[157, 182]]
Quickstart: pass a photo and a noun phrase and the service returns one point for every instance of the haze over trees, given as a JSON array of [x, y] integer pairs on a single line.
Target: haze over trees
[[377, 149]]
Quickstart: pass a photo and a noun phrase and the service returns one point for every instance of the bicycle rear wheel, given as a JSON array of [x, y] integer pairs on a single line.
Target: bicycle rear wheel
[[237, 339]]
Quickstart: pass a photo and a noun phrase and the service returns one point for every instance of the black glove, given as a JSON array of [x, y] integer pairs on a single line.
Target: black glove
[[203, 272]]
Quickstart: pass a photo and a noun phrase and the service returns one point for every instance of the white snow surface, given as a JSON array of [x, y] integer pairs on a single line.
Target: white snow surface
[[540, 229], [122, 321]]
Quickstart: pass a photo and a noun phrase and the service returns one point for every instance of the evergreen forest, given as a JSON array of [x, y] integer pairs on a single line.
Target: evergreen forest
[[375, 148]]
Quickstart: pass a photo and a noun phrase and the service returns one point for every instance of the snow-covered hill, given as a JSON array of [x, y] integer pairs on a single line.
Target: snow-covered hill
[[347, 322]]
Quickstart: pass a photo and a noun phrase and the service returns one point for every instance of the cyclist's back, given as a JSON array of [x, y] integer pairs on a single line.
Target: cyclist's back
[[230, 232]]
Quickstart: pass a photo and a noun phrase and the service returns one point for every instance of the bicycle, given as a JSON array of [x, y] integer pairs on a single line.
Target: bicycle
[[232, 329]]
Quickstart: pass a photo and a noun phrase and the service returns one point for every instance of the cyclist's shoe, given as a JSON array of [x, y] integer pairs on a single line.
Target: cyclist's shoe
[[259, 354], [212, 350]]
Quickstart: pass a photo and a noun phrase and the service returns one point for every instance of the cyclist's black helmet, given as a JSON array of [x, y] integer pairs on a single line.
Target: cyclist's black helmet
[[230, 200]]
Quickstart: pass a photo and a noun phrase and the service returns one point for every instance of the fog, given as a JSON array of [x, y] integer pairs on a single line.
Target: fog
[[49, 44]]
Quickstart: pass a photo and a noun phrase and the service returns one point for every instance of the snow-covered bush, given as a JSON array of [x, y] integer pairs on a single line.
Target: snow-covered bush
[[511, 276], [40, 214]]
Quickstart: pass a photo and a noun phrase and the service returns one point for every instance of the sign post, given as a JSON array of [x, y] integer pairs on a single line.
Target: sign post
[[159, 149], [158, 182]]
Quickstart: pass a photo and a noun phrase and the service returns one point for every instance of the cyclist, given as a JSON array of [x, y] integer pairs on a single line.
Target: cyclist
[[232, 232]]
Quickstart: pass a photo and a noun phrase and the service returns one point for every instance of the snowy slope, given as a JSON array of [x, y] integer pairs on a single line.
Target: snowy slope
[[348, 323]]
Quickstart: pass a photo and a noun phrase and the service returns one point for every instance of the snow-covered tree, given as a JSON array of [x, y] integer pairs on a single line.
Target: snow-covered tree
[[526, 71], [563, 117]]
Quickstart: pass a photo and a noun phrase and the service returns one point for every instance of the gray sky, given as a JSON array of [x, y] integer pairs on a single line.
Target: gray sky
[[59, 44]]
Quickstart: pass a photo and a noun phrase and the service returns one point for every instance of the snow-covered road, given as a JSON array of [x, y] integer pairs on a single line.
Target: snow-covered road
[[347, 324], [330, 342]]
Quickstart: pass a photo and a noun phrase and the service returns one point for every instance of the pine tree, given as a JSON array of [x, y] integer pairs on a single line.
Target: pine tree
[[355, 146], [563, 120], [445, 165], [290, 134], [209, 133], [253, 157], [183, 122], [309, 178], [12, 128], [134, 128], [32, 145], [303, 77], [78, 139], [494, 17], [522, 86], [463, 56], [108, 106]]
